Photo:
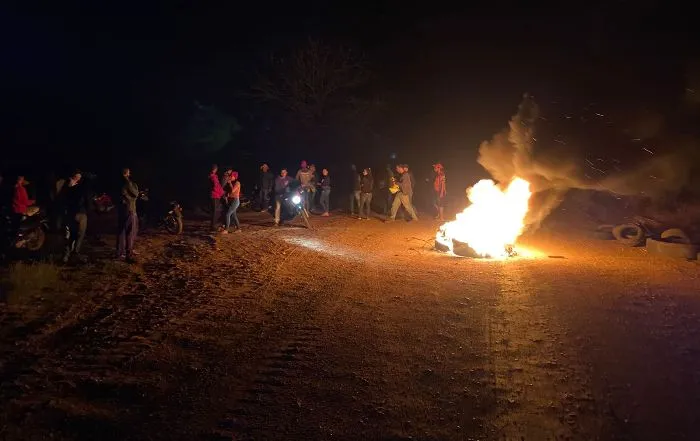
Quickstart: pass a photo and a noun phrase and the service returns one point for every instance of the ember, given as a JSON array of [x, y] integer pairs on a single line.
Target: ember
[[490, 226]]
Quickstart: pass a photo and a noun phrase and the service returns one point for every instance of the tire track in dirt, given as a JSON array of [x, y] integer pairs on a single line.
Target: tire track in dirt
[[289, 354]]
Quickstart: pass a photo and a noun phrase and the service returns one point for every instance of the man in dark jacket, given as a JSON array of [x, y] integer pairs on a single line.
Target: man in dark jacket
[[75, 200], [265, 186], [128, 219]]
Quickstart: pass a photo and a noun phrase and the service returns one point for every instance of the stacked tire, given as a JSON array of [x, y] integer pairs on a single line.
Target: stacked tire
[[673, 243]]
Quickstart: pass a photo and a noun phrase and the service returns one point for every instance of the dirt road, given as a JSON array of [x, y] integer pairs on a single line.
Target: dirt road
[[358, 331]]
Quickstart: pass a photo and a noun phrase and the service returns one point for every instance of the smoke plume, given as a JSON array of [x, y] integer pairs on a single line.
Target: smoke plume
[[554, 169]]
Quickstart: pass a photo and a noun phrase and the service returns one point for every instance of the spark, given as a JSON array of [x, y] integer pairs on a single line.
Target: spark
[[647, 150]]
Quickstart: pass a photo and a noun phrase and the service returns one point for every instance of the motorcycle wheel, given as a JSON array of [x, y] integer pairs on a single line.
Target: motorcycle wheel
[[173, 224], [36, 241]]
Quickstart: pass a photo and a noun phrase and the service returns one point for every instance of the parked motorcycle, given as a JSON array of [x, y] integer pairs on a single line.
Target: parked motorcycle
[[102, 203], [172, 220], [24, 232]]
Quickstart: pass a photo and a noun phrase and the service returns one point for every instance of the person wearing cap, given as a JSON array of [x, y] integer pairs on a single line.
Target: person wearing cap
[[232, 195], [402, 197], [439, 191], [266, 185]]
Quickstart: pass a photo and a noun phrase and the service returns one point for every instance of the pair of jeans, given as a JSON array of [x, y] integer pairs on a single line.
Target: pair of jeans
[[264, 198], [231, 213], [128, 228], [354, 200], [325, 199], [278, 207], [215, 212], [77, 227], [365, 204], [405, 200]]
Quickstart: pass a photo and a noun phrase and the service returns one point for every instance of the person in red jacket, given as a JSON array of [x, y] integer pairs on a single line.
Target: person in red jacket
[[216, 193], [21, 204]]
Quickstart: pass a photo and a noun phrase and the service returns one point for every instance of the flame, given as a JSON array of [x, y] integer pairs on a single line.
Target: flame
[[494, 220]]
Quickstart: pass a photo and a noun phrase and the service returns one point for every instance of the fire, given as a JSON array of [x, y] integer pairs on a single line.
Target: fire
[[494, 220]]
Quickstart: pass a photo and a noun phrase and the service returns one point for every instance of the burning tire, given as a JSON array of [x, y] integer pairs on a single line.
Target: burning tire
[[630, 235], [675, 235], [672, 249]]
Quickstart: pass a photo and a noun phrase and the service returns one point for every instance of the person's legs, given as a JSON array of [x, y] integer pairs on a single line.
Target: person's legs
[[132, 227], [227, 216], [395, 205], [232, 213], [214, 212], [325, 200], [121, 234], [81, 221], [368, 205], [406, 201], [278, 209]]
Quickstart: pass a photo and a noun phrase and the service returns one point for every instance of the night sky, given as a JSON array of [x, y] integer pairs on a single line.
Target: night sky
[[111, 81]]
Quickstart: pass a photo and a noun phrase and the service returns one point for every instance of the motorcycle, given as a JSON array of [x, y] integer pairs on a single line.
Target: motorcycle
[[171, 221], [25, 232], [294, 203], [102, 203]]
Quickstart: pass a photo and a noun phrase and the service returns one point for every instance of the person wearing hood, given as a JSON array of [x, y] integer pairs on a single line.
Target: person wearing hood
[[366, 188]]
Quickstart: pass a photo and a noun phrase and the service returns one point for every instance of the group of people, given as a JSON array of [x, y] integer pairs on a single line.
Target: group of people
[[225, 195], [68, 205], [271, 191]]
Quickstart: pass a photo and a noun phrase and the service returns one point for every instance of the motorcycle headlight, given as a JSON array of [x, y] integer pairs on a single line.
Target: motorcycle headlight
[[296, 199]]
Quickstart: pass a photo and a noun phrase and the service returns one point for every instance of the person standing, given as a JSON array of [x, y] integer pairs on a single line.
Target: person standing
[[128, 219], [281, 184], [402, 197], [366, 188], [216, 192], [305, 178], [325, 185], [75, 200], [232, 195], [266, 184], [356, 192], [439, 191]]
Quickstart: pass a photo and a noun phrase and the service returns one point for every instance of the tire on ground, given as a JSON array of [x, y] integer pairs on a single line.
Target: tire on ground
[[629, 234], [675, 235], [672, 249]]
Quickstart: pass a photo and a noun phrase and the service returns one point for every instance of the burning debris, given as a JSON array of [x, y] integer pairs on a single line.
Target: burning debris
[[491, 225]]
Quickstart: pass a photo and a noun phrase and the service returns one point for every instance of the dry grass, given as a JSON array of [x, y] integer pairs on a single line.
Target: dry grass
[[35, 288]]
